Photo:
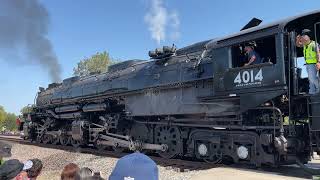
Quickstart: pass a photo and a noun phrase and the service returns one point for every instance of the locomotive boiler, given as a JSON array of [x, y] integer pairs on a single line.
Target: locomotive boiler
[[198, 101]]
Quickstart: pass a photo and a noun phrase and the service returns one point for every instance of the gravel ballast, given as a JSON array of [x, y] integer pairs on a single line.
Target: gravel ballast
[[54, 160]]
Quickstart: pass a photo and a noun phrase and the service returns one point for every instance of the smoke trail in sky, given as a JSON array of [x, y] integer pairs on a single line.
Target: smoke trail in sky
[[24, 25]]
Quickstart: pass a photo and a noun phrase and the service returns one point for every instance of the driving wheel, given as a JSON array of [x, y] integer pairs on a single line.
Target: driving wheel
[[64, 140], [47, 139], [171, 136]]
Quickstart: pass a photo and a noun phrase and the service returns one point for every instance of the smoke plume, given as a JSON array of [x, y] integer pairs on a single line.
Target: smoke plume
[[160, 21], [23, 31]]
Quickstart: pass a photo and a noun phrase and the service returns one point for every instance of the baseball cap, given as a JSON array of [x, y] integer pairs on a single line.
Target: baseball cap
[[305, 32], [10, 169], [135, 166], [27, 165], [250, 44]]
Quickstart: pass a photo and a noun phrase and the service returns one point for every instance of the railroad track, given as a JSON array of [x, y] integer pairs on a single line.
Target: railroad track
[[178, 165]]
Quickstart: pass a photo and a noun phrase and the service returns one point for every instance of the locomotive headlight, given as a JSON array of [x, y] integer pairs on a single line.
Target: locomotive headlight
[[202, 149], [242, 152]]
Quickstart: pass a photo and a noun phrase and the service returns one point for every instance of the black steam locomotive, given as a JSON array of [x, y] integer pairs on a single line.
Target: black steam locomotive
[[198, 101]]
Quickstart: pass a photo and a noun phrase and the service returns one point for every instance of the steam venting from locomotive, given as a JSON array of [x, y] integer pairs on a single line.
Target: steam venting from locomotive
[[160, 20], [24, 26]]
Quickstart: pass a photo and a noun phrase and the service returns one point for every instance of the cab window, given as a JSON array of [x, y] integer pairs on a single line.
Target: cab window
[[264, 49]]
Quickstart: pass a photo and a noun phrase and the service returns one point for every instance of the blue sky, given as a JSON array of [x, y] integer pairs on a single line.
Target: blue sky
[[81, 28]]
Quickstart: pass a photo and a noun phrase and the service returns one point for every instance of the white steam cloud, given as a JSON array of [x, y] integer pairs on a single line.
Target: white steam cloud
[[160, 21]]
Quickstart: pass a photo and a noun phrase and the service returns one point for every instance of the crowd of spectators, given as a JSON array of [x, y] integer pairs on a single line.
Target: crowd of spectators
[[135, 166]]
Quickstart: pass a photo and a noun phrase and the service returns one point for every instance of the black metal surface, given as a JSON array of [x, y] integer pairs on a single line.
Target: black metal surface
[[315, 113]]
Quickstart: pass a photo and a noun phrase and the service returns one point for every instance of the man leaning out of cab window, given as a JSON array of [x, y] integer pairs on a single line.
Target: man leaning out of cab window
[[251, 54]]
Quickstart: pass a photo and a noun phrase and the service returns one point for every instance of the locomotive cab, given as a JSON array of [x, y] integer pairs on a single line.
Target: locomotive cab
[[280, 73], [302, 106], [259, 82]]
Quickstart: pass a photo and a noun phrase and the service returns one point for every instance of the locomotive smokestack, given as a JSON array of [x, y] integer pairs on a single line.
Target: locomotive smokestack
[[23, 35]]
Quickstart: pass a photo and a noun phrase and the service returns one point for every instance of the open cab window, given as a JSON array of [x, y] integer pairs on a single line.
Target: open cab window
[[265, 48]]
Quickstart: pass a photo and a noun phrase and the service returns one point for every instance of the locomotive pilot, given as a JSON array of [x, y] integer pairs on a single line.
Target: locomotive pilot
[[251, 54], [311, 55]]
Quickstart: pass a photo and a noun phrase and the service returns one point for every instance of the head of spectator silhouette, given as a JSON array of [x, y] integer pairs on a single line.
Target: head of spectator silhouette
[[93, 178], [135, 166], [70, 172], [10, 169], [96, 176], [85, 173], [5, 149], [33, 168]]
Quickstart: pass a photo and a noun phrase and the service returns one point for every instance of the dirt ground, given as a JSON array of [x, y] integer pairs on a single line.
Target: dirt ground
[[248, 174], [291, 172]]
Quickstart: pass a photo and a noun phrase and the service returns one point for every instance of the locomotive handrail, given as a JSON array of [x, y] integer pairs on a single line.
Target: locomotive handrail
[[211, 125], [315, 38]]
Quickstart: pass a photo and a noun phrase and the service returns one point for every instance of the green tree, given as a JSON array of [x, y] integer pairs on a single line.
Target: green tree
[[7, 120], [10, 121], [2, 115], [97, 63], [26, 109]]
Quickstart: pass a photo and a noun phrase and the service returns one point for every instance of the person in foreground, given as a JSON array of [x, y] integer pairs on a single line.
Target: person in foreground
[[31, 170], [135, 166], [70, 172], [85, 173], [10, 169]]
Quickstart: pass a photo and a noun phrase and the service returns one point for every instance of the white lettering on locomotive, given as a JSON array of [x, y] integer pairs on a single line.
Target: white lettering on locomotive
[[247, 78]]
